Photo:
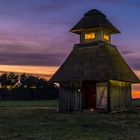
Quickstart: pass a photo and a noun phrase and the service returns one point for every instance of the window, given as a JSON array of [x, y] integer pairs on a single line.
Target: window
[[106, 37], [89, 36]]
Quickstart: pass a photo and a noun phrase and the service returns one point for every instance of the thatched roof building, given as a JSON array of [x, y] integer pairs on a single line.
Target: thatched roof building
[[97, 62], [94, 19], [95, 75]]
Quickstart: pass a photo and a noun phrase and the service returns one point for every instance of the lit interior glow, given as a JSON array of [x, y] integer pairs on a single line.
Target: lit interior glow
[[106, 37], [89, 36]]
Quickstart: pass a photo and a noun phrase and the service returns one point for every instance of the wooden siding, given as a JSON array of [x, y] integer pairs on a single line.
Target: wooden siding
[[102, 96], [120, 93], [70, 97]]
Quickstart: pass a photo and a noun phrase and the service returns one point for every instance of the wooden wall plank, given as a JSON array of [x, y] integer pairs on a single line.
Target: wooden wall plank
[[69, 97]]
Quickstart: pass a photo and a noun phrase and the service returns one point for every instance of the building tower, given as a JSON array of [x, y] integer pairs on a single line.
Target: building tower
[[95, 75]]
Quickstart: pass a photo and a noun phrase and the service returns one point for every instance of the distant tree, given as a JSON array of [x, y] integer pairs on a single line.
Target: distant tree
[[23, 79], [41, 83], [26, 87], [30, 81], [9, 79]]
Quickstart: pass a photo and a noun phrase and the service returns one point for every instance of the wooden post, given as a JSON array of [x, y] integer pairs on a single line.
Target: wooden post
[[108, 98]]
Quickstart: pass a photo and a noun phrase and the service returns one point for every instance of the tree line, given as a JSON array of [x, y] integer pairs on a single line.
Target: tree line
[[26, 87]]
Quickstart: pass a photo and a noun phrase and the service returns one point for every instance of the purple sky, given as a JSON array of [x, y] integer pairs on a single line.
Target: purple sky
[[36, 32]]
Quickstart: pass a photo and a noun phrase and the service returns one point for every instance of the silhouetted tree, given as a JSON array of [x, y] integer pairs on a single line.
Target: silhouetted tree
[[9, 79], [23, 79], [28, 81], [26, 87]]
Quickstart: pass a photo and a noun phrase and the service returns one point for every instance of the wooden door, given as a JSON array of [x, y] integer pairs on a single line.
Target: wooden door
[[90, 95], [101, 95]]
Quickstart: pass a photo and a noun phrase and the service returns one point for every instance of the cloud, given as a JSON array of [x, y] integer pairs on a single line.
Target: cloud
[[54, 5], [134, 61], [38, 59], [35, 32], [135, 3], [35, 45], [136, 65], [126, 52], [33, 53], [131, 56]]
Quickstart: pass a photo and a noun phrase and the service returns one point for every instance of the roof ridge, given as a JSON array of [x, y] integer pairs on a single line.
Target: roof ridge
[[94, 19]]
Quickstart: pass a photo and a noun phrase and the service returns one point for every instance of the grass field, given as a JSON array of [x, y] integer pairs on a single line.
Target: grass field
[[136, 102], [40, 124], [32, 103], [31, 123], [43, 103]]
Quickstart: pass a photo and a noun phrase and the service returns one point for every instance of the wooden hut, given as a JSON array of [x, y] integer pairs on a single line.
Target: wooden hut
[[95, 75]]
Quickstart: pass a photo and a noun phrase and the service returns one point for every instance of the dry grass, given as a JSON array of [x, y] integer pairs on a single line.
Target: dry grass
[[18, 123], [29, 103], [136, 102]]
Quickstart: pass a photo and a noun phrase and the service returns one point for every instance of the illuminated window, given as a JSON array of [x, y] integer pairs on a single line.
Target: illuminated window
[[106, 37], [89, 36]]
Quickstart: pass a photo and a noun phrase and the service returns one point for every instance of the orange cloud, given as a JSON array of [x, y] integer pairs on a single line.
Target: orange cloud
[[135, 94], [45, 70]]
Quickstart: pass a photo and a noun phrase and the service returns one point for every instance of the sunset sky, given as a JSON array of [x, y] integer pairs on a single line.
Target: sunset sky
[[35, 38]]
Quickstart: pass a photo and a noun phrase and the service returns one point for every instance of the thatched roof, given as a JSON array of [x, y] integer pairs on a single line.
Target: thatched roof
[[97, 61], [94, 19]]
